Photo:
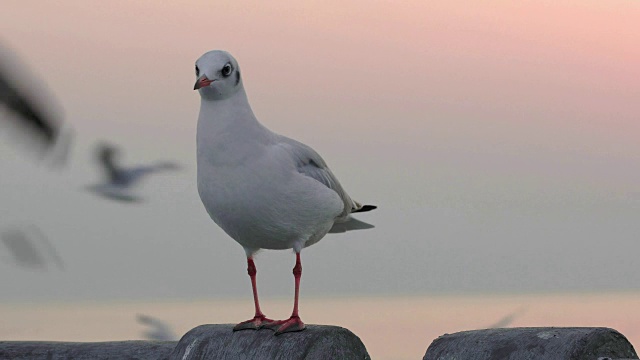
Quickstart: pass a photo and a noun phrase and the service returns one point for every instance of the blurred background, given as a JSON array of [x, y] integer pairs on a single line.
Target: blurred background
[[498, 139]]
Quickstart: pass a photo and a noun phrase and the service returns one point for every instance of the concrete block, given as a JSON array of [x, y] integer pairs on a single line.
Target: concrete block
[[53, 350], [317, 342], [543, 343]]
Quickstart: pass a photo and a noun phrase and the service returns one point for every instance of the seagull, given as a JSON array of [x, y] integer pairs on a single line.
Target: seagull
[[29, 111], [265, 190], [30, 248], [120, 180], [158, 330], [507, 320]]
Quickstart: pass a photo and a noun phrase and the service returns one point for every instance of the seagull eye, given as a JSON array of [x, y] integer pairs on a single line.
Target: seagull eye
[[226, 70], [197, 71]]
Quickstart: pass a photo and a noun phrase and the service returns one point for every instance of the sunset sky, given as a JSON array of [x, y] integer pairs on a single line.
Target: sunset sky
[[498, 138]]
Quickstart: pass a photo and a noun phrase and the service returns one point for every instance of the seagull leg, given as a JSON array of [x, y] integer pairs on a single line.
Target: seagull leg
[[259, 319], [293, 323]]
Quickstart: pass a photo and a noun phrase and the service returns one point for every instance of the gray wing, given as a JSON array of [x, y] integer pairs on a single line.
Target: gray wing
[[311, 164], [29, 114]]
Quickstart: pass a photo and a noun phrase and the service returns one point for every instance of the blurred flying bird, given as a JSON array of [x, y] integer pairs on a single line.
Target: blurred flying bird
[[31, 110], [157, 330], [29, 248], [119, 181], [263, 189], [507, 320]]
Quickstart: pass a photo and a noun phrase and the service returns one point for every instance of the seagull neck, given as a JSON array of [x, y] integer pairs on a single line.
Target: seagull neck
[[226, 114], [228, 130]]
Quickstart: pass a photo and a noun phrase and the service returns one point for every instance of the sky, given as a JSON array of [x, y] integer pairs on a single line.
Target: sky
[[498, 139]]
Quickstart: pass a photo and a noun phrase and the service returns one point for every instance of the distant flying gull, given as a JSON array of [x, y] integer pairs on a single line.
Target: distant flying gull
[[263, 189], [119, 181], [158, 330], [507, 320], [29, 248], [28, 109]]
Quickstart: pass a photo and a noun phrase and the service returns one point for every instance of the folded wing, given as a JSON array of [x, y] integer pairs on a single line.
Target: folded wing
[[311, 164]]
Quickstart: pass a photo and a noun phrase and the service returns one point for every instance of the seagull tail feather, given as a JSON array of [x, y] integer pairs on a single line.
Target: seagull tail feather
[[364, 208], [348, 225]]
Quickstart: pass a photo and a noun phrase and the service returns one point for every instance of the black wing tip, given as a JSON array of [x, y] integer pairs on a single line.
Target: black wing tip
[[365, 208]]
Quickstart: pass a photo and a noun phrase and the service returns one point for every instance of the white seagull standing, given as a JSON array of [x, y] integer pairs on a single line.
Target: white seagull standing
[[263, 189]]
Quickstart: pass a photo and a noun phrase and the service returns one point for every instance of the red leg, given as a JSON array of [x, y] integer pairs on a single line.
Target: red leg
[[293, 323], [259, 319], [297, 274]]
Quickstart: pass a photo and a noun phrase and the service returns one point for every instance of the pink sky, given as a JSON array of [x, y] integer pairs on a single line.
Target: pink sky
[[530, 76], [571, 57]]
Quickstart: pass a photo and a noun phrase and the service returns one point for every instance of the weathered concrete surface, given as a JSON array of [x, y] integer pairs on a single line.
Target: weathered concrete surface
[[545, 343], [316, 342], [49, 350]]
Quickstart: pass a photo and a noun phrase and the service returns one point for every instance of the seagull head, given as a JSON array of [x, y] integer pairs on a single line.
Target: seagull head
[[217, 75], [106, 153]]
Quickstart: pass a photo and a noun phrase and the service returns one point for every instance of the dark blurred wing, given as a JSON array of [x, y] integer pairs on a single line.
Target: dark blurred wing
[[22, 249], [27, 112]]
